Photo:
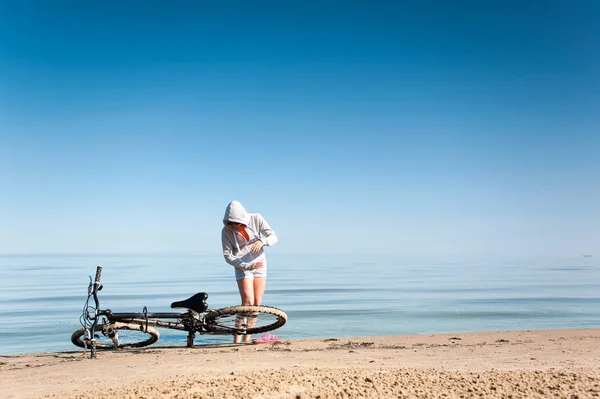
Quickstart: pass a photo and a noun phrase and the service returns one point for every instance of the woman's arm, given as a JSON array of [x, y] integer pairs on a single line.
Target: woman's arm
[[269, 236], [228, 253]]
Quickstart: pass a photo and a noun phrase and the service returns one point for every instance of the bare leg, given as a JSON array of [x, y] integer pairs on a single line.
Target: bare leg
[[260, 284], [246, 288]]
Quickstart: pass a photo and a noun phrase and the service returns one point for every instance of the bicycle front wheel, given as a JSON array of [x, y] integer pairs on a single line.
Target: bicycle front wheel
[[244, 319], [118, 335]]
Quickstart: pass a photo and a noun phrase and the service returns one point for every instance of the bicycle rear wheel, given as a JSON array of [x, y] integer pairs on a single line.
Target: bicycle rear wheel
[[128, 335], [244, 319]]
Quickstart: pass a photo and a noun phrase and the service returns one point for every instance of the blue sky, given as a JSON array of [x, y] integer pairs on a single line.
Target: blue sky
[[435, 129]]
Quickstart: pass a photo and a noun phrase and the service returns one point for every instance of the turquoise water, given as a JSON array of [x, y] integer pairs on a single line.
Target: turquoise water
[[41, 297]]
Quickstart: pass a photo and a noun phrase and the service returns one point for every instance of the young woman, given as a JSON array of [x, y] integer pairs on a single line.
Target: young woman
[[244, 237]]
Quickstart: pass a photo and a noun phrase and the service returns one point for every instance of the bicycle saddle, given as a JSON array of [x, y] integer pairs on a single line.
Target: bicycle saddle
[[196, 302]]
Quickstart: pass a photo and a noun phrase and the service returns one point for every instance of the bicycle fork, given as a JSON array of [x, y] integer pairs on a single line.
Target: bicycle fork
[[89, 337]]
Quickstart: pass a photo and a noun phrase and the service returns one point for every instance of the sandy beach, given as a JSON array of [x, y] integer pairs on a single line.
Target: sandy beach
[[515, 364]]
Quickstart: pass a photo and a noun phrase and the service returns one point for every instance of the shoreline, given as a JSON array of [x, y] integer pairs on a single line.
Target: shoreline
[[530, 363]]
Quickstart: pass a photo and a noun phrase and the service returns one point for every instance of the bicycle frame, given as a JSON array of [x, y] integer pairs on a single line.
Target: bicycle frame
[[186, 321], [191, 321]]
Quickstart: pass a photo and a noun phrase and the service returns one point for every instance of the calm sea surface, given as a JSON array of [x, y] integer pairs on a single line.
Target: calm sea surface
[[41, 297]]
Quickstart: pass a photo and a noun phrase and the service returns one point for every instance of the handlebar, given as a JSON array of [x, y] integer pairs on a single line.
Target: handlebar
[[90, 317], [97, 287], [98, 273]]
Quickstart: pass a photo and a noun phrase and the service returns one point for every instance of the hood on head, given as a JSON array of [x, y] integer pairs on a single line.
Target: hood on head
[[235, 212]]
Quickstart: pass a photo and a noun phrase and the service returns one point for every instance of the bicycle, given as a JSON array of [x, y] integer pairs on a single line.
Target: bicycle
[[105, 329]]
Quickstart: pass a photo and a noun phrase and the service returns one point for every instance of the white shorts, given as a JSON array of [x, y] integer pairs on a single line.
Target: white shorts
[[251, 274]]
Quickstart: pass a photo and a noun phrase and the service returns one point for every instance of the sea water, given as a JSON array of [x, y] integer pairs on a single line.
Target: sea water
[[42, 296]]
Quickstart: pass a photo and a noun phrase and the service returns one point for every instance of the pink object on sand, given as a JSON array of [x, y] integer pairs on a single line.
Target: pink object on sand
[[266, 337]]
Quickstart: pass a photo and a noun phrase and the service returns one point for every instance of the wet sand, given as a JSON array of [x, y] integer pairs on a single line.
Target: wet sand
[[516, 364]]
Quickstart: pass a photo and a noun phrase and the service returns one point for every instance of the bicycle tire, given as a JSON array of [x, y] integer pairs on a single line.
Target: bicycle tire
[[226, 320], [146, 336]]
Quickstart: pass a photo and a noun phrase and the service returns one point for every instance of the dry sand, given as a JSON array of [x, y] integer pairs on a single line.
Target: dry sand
[[516, 364]]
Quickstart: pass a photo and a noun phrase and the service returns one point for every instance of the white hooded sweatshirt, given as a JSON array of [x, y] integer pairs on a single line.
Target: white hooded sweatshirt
[[236, 248]]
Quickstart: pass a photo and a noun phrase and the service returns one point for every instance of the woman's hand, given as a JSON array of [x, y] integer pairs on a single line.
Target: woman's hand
[[256, 246], [257, 265]]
